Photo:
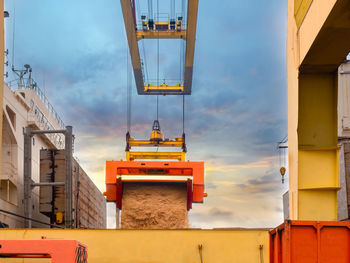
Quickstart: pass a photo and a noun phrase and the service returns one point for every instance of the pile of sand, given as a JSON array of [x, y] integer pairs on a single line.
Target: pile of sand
[[154, 206]]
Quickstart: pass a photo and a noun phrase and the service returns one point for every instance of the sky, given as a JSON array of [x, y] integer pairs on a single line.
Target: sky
[[235, 116]]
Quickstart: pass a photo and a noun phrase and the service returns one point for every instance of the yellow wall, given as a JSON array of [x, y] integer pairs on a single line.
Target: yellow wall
[[316, 45], [155, 246], [300, 10]]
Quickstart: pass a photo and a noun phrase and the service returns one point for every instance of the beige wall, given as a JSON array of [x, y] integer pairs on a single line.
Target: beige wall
[[18, 105]]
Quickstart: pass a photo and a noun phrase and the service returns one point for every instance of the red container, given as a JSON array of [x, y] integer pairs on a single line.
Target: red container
[[310, 242]]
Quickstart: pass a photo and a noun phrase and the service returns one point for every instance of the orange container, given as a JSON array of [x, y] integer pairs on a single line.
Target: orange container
[[310, 242]]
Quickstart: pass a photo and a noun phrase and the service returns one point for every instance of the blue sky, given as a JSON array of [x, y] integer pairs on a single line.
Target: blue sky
[[234, 117]]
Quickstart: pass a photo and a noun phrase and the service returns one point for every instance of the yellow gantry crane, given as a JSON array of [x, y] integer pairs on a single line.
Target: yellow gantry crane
[[154, 27], [151, 28]]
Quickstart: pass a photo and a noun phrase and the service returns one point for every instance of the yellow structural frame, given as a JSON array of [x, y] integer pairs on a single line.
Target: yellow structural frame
[[178, 142], [131, 156], [171, 246], [163, 88], [135, 34], [140, 34], [300, 10], [317, 42]]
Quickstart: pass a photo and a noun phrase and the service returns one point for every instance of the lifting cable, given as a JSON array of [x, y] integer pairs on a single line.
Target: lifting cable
[[157, 113], [128, 92], [157, 59], [183, 114], [182, 61]]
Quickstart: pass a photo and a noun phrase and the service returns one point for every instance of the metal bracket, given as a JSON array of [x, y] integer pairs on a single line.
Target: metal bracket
[[29, 184]]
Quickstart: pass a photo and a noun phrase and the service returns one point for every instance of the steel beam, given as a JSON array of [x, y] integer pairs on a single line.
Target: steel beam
[[192, 11], [166, 89], [48, 131], [27, 176], [145, 143], [140, 34], [48, 184], [134, 34], [68, 190], [130, 29]]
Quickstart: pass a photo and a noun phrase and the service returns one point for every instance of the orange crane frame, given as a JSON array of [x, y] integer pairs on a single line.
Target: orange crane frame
[[191, 173]]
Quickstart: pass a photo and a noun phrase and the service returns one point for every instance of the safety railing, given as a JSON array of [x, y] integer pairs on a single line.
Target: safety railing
[[29, 83]]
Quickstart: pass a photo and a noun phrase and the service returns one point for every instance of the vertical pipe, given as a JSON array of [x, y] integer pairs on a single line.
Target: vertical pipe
[[27, 176], [68, 189]]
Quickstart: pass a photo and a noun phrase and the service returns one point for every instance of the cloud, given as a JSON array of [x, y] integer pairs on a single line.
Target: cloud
[[220, 213], [233, 119]]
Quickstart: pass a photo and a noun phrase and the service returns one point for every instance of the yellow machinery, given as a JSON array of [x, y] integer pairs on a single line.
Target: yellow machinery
[[156, 135], [161, 29], [156, 140]]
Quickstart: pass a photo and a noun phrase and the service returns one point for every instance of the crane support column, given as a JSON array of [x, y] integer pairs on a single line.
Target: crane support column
[[317, 42]]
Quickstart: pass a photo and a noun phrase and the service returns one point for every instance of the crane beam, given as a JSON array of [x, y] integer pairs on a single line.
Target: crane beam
[[141, 34], [161, 30], [166, 143], [192, 12], [130, 28]]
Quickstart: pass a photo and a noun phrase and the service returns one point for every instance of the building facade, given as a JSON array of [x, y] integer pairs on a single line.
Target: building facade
[[24, 104]]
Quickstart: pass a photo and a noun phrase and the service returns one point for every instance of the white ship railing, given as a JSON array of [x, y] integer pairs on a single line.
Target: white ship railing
[[29, 83]]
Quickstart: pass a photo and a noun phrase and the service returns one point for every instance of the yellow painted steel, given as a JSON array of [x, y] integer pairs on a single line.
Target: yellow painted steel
[[187, 33], [178, 142], [300, 11], [131, 156], [164, 87], [141, 34], [156, 246], [317, 42]]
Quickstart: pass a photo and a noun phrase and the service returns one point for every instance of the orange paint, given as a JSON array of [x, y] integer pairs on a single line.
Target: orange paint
[[60, 251], [310, 241], [193, 169]]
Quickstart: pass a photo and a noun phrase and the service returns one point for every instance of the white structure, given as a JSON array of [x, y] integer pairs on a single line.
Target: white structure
[[344, 100], [343, 194], [25, 106]]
